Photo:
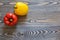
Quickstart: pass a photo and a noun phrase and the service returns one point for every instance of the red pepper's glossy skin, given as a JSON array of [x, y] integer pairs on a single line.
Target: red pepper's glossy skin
[[9, 16]]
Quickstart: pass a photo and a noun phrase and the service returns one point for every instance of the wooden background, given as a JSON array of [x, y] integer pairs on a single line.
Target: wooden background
[[41, 23]]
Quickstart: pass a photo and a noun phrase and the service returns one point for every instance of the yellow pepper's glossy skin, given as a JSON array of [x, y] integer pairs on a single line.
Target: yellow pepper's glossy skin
[[21, 9]]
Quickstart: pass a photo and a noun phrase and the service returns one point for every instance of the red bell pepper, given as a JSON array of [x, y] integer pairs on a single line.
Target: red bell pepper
[[10, 19]]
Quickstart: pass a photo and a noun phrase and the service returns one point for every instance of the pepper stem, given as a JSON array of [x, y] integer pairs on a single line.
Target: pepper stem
[[11, 20]]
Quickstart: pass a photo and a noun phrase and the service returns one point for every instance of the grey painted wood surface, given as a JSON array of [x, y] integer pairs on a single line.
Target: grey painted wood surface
[[41, 23]]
